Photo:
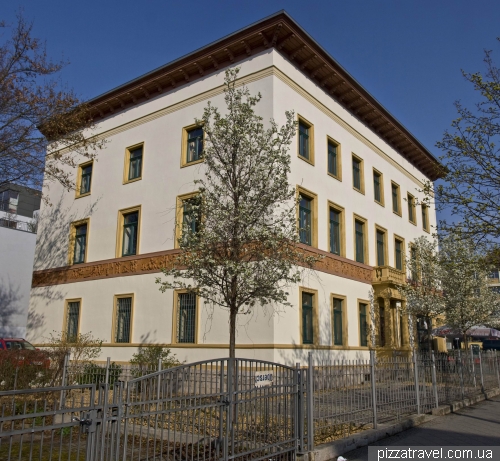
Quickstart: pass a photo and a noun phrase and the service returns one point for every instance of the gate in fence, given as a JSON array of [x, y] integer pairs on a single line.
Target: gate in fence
[[225, 409]]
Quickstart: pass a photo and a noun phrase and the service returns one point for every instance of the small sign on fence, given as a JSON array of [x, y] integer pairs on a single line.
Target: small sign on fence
[[264, 378]]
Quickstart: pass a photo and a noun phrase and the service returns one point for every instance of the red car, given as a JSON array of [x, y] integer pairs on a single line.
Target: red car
[[33, 357]]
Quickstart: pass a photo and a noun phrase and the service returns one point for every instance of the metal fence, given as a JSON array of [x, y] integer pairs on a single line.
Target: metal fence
[[229, 409], [224, 410], [351, 396]]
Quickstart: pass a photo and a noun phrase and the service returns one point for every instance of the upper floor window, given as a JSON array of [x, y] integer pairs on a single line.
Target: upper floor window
[[133, 163], [305, 220], [130, 232], [80, 243], [188, 216], [425, 217], [186, 318], [194, 147], [378, 188], [335, 231], [411, 209], [84, 181], [396, 199], [334, 159], [359, 231], [357, 174], [398, 249], [380, 247], [304, 140]]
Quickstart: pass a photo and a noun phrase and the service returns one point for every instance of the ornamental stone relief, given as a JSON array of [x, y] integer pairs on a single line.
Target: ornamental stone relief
[[150, 264]]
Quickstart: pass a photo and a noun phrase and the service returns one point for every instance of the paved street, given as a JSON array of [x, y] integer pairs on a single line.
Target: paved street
[[475, 425]]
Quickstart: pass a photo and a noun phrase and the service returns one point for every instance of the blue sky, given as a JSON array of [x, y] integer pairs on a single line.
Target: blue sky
[[408, 54]]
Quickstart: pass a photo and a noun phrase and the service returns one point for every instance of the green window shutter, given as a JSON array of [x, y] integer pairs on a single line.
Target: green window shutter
[[305, 221], [304, 140], [307, 318], [363, 326], [337, 322], [380, 248], [360, 242]]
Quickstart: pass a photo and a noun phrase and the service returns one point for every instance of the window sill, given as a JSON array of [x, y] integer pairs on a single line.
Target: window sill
[[184, 164], [311, 162], [359, 190], [412, 222], [397, 214], [379, 203], [338, 178], [82, 195], [128, 181]]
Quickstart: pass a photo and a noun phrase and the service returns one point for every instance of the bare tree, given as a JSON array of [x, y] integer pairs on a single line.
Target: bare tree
[[38, 114], [239, 241]]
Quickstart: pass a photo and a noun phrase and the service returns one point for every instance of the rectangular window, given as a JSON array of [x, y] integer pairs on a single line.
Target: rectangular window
[[194, 147], [305, 220], [9, 200], [191, 215], [337, 322], [356, 174], [411, 209], [378, 188], [86, 179], [359, 230], [186, 318], [72, 320], [307, 318], [135, 163], [395, 199], [425, 217], [401, 330], [80, 243], [335, 231], [130, 229], [413, 255], [363, 325], [398, 249], [304, 147], [333, 159], [380, 247], [123, 319]]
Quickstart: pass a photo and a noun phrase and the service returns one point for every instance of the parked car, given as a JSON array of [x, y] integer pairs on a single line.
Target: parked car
[[28, 354]]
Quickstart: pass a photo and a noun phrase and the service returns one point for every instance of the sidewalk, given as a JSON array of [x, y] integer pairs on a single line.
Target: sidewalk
[[477, 425]]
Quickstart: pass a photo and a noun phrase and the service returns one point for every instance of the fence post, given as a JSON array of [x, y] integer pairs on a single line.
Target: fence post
[[481, 371], [374, 388], [299, 415], [106, 378], [461, 373], [415, 375], [310, 404], [63, 381], [472, 366], [434, 380]]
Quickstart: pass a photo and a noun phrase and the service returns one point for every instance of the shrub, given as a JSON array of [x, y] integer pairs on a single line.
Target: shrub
[[146, 360], [96, 374]]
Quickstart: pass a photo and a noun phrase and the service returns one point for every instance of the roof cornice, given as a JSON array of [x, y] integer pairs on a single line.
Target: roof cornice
[[282, 33]]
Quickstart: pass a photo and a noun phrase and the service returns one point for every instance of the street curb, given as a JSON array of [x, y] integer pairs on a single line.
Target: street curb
[[332, 450]]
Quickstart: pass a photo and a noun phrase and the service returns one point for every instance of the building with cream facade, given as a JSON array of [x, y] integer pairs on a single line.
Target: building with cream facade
[[358, 170]]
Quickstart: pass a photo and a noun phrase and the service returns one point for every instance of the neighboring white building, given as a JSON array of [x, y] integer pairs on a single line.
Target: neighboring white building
[[18, 210], [99, 250]]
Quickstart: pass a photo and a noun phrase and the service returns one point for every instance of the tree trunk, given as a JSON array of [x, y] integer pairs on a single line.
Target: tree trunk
[[232, 332]]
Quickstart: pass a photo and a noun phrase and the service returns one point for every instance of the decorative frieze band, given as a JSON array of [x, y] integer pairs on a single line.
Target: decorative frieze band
[[155, 262]]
